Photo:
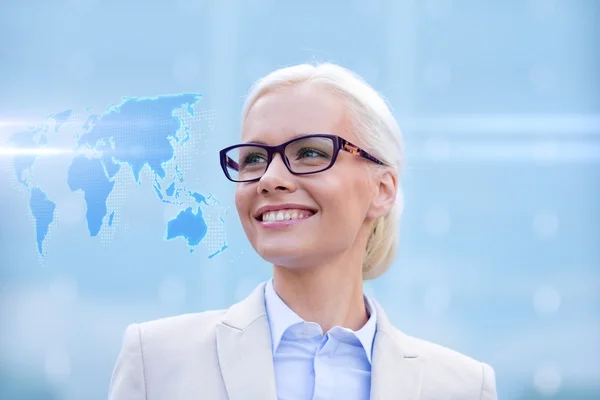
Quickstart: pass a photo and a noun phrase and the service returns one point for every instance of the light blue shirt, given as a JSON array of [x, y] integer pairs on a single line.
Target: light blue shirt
[[312, 366]]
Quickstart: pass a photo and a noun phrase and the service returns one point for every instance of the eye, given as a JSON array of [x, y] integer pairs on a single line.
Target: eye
[[253, 159], [307, 152]]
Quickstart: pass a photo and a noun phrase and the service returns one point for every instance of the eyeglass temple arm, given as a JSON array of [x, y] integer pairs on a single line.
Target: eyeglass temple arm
[[357, 151], [232, 164]]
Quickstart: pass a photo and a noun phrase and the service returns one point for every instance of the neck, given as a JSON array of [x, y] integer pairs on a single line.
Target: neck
[[330, 295]]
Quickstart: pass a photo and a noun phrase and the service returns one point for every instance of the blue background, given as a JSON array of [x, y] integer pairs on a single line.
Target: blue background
[[499, 102]]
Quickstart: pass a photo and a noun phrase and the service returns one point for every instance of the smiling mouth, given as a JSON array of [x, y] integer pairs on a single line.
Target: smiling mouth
[[285, 215]]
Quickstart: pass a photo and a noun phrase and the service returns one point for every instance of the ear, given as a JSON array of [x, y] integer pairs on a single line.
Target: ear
[[385, 193]]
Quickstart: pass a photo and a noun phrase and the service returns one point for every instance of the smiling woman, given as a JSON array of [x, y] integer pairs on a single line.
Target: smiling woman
[[317, 193]]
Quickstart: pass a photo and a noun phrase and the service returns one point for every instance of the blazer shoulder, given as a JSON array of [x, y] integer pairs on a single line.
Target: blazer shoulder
[[442, 354], [176, 328], [449, 371], [177, 334], [201, 320], [163, 358]]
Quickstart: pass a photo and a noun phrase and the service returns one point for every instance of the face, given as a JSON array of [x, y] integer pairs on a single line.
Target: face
[[329, 214]]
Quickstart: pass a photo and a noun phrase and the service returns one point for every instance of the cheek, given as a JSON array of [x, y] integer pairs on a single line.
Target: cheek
[[360, 193], [242, 201], [346, 199]]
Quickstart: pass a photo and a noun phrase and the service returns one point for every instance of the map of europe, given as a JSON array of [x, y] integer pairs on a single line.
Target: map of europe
[[138, 136]]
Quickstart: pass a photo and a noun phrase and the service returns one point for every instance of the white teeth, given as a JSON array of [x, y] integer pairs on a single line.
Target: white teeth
[[285, 215]]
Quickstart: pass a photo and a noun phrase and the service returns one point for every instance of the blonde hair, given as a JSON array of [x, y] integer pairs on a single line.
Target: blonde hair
[[375, 126]]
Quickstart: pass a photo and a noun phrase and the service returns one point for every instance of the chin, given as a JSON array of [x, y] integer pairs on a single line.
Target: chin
[[283, 253]]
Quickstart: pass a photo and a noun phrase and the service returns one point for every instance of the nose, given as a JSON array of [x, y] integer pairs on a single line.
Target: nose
[[277, 178]]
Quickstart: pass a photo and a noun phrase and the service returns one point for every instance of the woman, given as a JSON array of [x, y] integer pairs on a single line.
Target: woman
[[316, 193]]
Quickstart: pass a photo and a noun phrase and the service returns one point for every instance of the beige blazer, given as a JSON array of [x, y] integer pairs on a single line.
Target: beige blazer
[[226, 354]]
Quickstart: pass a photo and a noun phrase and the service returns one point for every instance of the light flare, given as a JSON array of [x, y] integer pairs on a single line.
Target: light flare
[[34, 151]]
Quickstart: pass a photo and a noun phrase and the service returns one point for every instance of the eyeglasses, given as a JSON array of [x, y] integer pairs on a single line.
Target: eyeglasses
[[303, 155]]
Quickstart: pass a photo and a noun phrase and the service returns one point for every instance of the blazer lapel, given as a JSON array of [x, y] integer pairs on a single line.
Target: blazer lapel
[[397, 370], [244, 350]]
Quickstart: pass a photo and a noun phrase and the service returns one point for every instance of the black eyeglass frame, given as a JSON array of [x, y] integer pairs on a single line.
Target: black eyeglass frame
[[338, 144]]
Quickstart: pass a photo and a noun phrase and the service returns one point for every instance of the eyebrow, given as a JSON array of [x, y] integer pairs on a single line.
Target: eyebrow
[[255, 142], [261, 142]]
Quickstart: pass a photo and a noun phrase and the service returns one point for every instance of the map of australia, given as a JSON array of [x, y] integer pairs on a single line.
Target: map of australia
[[138, 134]]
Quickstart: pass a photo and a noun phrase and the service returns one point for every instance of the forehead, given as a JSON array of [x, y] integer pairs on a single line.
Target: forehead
[[303, 109]]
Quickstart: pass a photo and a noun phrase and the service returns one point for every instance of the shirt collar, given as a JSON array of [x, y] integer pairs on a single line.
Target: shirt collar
[[281, 317]]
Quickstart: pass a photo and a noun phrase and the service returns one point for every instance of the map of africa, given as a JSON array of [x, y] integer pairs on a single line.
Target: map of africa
[[140, 136]]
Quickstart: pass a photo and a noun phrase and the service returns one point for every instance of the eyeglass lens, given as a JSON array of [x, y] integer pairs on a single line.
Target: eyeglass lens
[[305, 155]]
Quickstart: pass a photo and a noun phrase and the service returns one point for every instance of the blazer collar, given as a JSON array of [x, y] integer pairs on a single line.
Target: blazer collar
[[244, 350], [397, 371], [246, 359]]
